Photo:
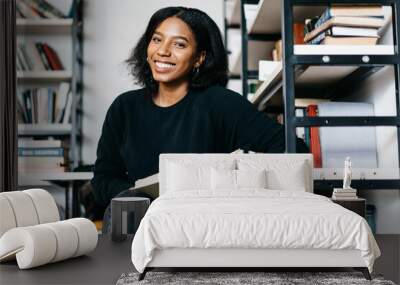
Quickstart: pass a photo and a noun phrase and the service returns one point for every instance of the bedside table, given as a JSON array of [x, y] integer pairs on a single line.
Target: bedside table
[[357, 205]]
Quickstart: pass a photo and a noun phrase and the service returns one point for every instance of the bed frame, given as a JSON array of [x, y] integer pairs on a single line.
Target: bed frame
[[246, 259], [250, 259]]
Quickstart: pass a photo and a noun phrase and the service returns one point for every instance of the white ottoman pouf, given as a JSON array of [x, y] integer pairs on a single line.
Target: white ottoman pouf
[[23, 208], [40, 244], [45, 205], [7, 218]]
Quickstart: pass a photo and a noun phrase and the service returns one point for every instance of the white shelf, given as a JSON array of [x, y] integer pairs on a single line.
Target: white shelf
[[44, 76], [273, 81], [268, 18], [44, 26], [233, 13], [318, 76], [343, 49], [257, 51], [357, 173], [44, 129]]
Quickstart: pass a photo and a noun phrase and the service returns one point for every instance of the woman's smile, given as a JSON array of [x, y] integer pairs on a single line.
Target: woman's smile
[[163, 67]]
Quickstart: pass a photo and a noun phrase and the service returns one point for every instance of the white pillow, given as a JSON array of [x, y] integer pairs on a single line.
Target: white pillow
[[292, 179], [184, 175], [251, 178], [282, 174], [223, 179], [237, 179]]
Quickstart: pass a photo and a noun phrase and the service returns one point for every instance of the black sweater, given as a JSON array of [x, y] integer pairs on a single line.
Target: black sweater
[[136, 131]]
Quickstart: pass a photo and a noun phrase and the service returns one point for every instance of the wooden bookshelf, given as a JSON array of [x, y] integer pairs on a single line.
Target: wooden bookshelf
[[44, 26], [44, 129]]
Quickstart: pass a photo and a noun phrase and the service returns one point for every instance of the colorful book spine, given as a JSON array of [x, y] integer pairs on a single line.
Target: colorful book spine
[[52, 57], [42, 152], [43, 56], [315, 146], [324, 17], [44, 5]]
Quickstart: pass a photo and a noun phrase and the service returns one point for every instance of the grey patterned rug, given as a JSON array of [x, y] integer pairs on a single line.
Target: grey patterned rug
[[243, 278]]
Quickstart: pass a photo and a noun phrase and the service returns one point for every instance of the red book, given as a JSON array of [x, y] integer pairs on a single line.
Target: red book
[[52, 57], [298, 33], [315, 145]]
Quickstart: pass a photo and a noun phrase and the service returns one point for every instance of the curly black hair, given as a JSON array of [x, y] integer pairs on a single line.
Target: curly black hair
[[213, 71]]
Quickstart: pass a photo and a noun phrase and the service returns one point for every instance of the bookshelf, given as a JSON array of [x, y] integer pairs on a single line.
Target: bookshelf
[[305, 67], [65, 36]]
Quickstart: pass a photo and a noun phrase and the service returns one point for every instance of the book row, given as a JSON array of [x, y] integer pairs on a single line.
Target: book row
[[44, 105], [37, 57]]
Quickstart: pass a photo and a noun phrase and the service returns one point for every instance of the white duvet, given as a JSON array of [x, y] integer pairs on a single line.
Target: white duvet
[[250, 219]]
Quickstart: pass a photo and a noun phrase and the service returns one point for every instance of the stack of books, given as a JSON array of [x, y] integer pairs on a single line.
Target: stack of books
[[345, 25], [44, 105], [37, 57], [344, 194], [42, 156], [37, 9]]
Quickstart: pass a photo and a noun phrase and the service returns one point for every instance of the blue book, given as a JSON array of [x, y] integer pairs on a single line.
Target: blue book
[[48, 152]]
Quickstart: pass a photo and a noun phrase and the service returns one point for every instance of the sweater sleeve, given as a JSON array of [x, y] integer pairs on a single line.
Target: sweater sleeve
[[251, 130], [110, 173]]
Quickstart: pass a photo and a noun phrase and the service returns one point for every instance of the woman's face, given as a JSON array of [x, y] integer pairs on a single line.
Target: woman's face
[[172, 52]]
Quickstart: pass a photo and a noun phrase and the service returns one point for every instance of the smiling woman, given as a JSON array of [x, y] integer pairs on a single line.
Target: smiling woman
[[183, 106]]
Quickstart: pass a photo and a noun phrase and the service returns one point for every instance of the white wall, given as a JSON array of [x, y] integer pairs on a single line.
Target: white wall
[[111, 30]]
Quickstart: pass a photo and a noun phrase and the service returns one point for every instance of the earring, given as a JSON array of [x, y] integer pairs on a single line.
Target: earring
[[196, 70]]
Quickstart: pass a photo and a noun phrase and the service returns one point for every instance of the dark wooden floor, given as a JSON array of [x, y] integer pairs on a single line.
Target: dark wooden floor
[[389, 262], [110, 260]]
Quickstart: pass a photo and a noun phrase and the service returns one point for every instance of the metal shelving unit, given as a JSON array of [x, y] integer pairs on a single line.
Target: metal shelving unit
[[299, 61]]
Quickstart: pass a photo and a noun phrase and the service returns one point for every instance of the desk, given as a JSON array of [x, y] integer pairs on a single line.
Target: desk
[[102, 266], [70, 181]]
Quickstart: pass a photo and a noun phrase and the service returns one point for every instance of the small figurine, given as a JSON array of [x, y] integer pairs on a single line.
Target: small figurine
[[347, 174]]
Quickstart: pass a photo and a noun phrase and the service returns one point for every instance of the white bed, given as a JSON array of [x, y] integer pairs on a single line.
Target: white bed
[[230, 219]]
